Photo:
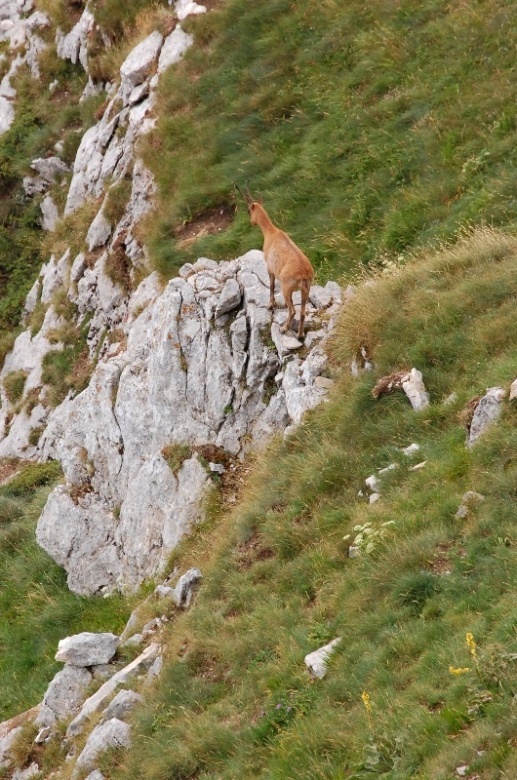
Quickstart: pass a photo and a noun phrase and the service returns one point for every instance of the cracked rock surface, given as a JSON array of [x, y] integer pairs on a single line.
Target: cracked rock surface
[[200, 368]]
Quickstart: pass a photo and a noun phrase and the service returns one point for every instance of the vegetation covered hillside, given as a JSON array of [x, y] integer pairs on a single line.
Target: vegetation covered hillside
[[424, 680]]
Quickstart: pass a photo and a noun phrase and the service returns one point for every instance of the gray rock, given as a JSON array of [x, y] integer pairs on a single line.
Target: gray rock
[[122, 705], [140, 63], [230, 297], [111, 734], [74, 45], [49, 213], [100, 698], [414, 388], [64, 697], [317, 661], [6, 742], [186, 8], [487, 412], [185, 588], [87, 649], [98, 232], [95, 775], [513, 390], [26, 774], [174, 48]]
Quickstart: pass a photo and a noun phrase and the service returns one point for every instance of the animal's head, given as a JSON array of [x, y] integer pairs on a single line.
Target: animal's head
[[254, 206]]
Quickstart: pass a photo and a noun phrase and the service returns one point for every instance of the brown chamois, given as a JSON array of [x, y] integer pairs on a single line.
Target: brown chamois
[[285, 262]]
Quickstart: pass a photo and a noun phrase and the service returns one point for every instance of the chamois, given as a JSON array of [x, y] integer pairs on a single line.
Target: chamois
[[284, 260]]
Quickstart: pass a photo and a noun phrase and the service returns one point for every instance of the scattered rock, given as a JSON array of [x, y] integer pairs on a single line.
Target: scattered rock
[[111, 734], [411, 450], [140, 63], [26, 774], [186, 8], [418, 466], [486, 412], [185, 587], [87, 649], [174, 48], [101, 697], [64, 697], [468, 502], [513, 390], [414, 388], [49, 213], [317, 661], [411, 383], [122, 705], [353, 551]]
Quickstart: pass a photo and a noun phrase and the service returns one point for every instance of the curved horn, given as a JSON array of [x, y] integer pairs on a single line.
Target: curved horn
[[247, 199]]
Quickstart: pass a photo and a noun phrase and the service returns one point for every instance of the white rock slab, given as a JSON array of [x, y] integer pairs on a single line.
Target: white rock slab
[[140, 63], [316, 662], [87, 649]]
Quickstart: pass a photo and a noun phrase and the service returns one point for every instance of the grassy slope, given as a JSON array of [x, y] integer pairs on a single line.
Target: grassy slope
[[369, 129], [235, 700], [36, 608]]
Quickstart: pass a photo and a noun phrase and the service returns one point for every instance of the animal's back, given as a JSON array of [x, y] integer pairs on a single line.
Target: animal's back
[[286, 260]]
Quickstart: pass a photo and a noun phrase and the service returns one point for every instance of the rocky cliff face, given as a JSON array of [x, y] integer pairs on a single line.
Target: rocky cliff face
[[201, 362]]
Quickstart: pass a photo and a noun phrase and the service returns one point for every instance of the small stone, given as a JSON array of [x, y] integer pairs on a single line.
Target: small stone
[[317, 661], [461, 771], [418, 466], [164, 592], [185, 586], [354, 552], [374, 497], [217, 468], [42, 735], [389, 468], [411, 450], [372, 483], [134, 641], [513, 390]]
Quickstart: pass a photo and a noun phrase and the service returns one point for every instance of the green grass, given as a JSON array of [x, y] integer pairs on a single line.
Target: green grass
[[368, 130], [235, 699], [36, 607]]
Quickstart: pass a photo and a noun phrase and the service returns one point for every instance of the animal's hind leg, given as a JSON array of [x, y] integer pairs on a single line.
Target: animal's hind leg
[[288, 295], [305, 296], [271, 291]]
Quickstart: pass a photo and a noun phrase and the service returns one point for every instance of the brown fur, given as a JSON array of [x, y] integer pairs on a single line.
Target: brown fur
[[285, 262]]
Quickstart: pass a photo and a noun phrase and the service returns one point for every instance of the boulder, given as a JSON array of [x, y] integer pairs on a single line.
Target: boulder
[[87, 649], [64, 697]]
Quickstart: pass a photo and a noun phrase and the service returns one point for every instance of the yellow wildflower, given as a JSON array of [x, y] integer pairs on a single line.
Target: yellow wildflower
[[471, 645], [460, 670], [368, 707]]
